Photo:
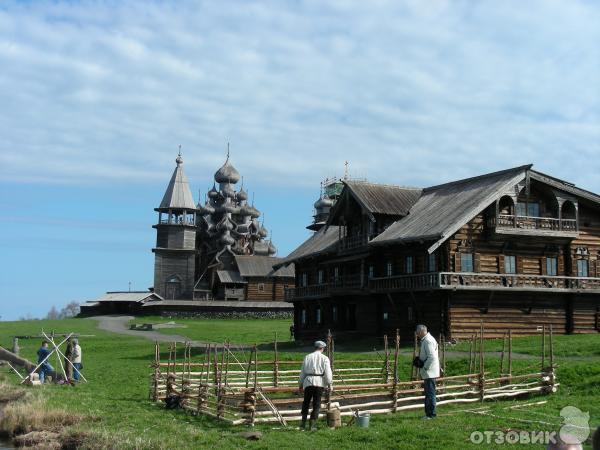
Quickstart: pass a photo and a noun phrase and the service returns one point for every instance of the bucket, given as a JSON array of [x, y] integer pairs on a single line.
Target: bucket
[[363, 420], [334, 419]]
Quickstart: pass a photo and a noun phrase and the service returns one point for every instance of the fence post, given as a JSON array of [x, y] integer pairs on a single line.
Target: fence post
[[413, 370], [387, 359], [543, 348], [509, 355], [275, 363], [395, 388], [481, 366]]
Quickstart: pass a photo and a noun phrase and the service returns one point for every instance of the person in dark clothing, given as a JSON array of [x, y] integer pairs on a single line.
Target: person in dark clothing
[[292, 330], [43, 356]]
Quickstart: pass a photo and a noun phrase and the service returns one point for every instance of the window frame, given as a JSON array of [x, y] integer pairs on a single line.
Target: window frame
[[552, 266], [470, 261], [510, 264], [581, 264], [409, 265]]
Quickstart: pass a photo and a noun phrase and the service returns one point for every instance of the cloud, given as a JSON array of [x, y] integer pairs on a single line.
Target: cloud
[[409, 92]]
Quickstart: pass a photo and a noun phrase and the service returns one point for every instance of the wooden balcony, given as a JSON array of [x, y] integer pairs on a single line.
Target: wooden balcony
[[345, 284], [352, 243], [306, 292], [485, 281], [532, 226]]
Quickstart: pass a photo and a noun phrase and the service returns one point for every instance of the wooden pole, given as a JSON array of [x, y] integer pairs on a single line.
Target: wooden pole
[[471, 348], [413, 370], [509, 354], [328, 397], [248, 368], [216, 371], [443, 339], [275, 363], [387, 359], [551, 357], [481, 366], [502, 354], [543, 347], [209, 354], [395, 388], [255, 366], [227, 363]]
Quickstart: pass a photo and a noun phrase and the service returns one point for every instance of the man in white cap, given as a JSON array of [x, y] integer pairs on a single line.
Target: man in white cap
[[315, 376], [429, 368]]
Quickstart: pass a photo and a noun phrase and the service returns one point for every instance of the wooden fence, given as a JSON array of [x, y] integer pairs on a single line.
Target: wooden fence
[[222, 385]]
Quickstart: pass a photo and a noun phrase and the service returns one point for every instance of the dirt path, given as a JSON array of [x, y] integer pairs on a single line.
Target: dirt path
[[120, 325]]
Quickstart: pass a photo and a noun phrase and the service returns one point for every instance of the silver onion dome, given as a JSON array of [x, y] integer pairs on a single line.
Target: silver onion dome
[[242, 195], [227, 174], [323, 202]]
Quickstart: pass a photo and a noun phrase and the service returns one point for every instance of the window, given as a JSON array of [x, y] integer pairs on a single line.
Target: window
[[371, 272], [466, 262], [528, 209], [551, 266], [389, 269], [372, 228], [385, 316], [303, 317], [318, 316], [320, 276], [336, 273], [409, 267], [261, 287], [582, 268], [334, 313], [304, 280], [431, 262], [409, 314], [510, 264]]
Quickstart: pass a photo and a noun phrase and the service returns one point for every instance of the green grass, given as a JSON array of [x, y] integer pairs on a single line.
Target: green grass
[[117, 395], [248, 331]]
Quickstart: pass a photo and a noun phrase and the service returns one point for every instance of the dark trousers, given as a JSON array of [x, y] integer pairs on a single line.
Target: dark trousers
[[429, 384], [313, 393]]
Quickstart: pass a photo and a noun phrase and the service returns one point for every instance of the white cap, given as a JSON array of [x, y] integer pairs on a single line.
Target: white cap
[[320, 344]]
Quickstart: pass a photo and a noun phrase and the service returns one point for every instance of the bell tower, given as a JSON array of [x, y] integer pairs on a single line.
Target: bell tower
[[175, 251]]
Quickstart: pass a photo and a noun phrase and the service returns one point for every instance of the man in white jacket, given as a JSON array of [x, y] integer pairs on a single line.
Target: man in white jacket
[[76, 358], [430, 369], [315, 376]]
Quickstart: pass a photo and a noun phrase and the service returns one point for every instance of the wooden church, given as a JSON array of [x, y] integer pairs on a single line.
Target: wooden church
[[517, 249]]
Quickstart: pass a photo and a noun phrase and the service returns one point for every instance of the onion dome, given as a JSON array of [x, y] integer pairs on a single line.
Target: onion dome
[[272, 248], [227, 173], [254, 213], [262, 232], [226, 239], [225, 225], [213, 193], [227, 190], [323, 202], [206, 208], [246, 210], [242, 195]]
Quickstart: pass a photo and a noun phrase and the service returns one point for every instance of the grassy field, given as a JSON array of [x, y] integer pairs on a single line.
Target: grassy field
[[116, 407]]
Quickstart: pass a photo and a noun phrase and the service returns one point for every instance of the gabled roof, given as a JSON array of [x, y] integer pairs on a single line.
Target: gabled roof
[[230, 276], [143, 296], [322, 241], [178, 194], [262, 266], [564, 186], [376, 198], [443, 209], [384, 198]]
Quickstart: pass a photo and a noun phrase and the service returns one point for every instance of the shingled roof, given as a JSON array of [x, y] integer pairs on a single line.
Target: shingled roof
[[262, 266], [442, 210], [178, 194], [383, 198], [322, 241]]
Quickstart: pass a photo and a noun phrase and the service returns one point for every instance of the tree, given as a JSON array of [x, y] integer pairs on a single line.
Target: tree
[[70, 310], [53, 314]]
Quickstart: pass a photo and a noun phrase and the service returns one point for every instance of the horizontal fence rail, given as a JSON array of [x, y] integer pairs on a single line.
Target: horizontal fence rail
[[239, 390]]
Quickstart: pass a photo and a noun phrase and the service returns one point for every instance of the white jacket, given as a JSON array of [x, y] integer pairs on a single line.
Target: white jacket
[[316, 370], [76, 354], [429, 355]]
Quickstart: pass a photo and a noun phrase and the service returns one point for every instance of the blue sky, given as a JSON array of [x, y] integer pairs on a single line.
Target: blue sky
[[96, 96]]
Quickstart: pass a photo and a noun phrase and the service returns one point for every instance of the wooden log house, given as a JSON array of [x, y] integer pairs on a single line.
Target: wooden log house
[[517, 249]]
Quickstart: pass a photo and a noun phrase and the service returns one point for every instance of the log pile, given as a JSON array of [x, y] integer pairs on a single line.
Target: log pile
[[223, 385]]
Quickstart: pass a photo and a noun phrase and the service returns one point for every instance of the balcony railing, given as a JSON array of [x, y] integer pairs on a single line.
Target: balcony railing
[[508, 222], [346, 282], [349, 243], [312, 291], [464, 280]]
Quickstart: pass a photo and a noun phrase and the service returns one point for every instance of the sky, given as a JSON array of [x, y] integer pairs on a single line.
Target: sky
[[96, 97]]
